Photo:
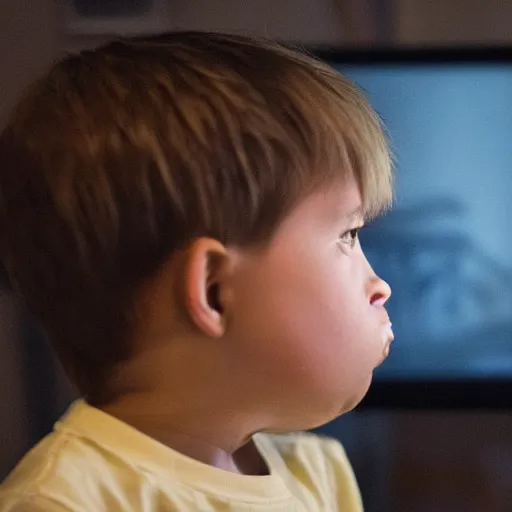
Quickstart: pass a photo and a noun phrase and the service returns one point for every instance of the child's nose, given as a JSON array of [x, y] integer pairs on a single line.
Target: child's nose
[[379, 291]]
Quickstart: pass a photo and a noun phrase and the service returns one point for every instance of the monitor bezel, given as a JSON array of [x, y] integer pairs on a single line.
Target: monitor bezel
[[414, 55]]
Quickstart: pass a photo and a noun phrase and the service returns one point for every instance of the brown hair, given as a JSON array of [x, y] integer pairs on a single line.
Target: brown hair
[[122, 155]]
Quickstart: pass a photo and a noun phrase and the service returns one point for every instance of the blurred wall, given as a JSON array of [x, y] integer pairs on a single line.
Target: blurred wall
[[28, 42], [448, 22], [13, 418]]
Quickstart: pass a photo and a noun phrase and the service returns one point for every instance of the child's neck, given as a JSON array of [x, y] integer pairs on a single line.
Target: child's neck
[[214, 438]]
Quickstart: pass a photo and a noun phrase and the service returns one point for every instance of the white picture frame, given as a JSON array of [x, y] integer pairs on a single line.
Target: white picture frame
[[155, 20]]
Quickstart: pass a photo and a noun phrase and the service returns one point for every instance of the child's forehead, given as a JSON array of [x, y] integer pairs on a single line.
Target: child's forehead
[[342, 198], [330, 204]]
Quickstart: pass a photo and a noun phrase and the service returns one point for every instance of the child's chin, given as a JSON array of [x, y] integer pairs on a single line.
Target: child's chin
[[347, 405], [356, 399]]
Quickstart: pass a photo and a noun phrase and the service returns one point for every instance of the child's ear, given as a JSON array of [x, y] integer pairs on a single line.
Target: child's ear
[[207, 262]]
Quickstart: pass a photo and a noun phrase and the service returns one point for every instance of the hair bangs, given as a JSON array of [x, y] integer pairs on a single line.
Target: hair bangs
[[344, 138]]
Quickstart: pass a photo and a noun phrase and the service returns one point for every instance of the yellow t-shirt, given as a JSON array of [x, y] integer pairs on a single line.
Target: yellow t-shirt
[[93, 462]]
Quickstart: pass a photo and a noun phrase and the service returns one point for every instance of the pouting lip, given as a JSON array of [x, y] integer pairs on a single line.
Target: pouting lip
[[388, 326], [387, 344]]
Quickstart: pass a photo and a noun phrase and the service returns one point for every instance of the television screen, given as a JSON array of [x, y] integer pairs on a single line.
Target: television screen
[[446, 246]]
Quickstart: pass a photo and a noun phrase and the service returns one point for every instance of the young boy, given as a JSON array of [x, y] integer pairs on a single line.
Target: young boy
[[181, 213]]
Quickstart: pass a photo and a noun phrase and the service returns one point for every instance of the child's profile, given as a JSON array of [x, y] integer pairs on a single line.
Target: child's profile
[[181, 212]]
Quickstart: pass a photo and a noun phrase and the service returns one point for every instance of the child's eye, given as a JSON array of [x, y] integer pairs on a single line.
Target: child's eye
[[350, 237]]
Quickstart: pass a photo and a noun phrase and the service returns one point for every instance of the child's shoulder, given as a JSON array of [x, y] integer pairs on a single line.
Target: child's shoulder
[[51, 460], [64, 471]]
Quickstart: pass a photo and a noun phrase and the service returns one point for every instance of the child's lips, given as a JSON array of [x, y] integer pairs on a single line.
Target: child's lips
[[388, 337], [388, 330]]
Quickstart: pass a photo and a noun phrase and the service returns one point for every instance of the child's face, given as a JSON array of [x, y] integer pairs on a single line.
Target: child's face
[[309, 324]]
